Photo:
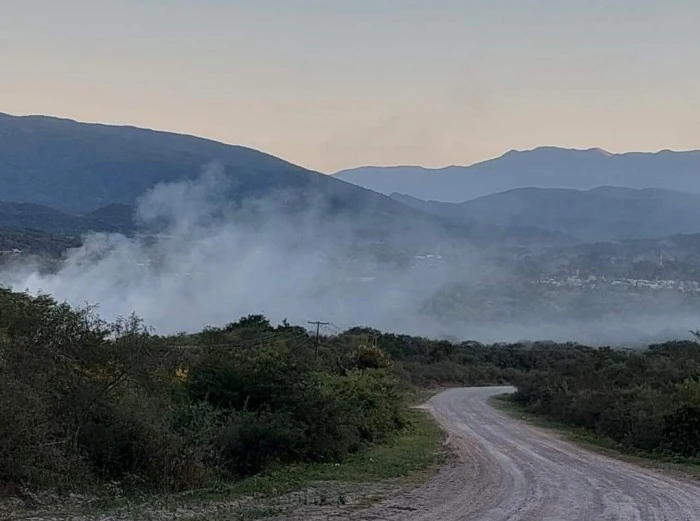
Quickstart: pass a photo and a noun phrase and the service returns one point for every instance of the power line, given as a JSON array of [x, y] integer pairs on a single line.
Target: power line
[[235, 344], [318, 330], [329, 330]]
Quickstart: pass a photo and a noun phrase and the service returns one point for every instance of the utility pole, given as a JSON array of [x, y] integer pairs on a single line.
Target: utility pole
[[318, 330]]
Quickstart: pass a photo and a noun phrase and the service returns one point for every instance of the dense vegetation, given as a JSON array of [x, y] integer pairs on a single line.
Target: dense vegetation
[[646, 400], [87, 404], [33, 242]]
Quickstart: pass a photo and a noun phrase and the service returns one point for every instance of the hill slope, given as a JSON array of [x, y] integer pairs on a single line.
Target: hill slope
[[32, 216], [546, 167], [94, 175], [78, 167], [603, 213], [15, 241]]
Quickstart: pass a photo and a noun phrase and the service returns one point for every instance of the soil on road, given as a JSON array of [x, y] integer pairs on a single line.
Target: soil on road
[[510, 471]]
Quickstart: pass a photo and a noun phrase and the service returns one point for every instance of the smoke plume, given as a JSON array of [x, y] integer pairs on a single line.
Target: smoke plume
[[202, 259]]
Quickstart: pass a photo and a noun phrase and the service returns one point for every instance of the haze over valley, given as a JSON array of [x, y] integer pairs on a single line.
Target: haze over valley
[[301, 260], [188, 232]]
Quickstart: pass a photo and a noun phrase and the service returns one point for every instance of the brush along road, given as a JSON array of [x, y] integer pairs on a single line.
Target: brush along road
[[510, 471]]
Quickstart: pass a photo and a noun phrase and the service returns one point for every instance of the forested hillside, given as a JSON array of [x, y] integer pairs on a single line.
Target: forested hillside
[[78, 168], [15, 242]]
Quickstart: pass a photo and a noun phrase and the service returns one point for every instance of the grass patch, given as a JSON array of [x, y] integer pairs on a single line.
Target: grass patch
[[409, 460], [418, 396], [597, 443]]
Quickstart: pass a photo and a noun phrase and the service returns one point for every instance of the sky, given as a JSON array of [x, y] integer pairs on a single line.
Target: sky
[[333, 84]]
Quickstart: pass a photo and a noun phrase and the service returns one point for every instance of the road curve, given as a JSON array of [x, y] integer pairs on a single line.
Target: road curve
[[511, 471]]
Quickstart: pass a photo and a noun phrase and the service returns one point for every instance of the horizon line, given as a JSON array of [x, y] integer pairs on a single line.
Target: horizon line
[[597, 149]]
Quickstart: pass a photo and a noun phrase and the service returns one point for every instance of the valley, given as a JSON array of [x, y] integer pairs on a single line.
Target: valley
[[254, 233], [511, 288], [305, 260]]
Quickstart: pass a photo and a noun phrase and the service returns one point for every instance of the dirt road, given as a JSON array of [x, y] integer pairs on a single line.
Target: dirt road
[[508, 470]]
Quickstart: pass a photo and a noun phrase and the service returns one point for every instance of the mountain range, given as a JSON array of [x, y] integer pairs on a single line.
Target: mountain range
[[80, 167], [601, 214], [544, 167], [65, 177], [93, 176]]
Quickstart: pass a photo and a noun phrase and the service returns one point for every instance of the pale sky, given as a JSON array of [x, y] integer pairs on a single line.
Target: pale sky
[[332, 84]]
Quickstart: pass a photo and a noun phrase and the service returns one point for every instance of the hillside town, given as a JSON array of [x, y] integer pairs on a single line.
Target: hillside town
[[592, 282]]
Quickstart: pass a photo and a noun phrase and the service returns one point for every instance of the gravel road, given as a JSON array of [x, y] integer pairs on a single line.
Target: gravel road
[[508, 470]]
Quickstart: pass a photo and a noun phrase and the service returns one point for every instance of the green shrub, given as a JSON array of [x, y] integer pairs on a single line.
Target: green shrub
[[250, 441], [144, 440], [646, 400], [682, 431]]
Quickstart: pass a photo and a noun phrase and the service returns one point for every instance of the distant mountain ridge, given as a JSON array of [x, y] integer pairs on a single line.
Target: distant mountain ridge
[[543, 167], [79, 168], [67, 178], [84, 176], [603, 213]]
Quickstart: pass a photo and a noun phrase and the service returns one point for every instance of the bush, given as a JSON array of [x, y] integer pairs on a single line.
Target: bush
[[370, 357], [281, 409], [151, 442], [248, 378], [682, 431], [101, 400], [645, 400], [250, 441]]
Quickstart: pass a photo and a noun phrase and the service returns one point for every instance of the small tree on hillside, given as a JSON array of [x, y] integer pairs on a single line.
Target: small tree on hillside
[[370, 357]]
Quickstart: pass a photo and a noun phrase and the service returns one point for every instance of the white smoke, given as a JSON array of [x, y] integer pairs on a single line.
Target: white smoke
[[205, 260], [213, 261]]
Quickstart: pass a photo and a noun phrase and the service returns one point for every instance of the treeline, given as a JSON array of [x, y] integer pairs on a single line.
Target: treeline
[[646, 400], [426, 363], [84, 403]]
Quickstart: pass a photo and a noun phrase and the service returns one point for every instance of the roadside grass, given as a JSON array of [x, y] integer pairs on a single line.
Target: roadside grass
[[413, 456], [587, 439], [418, 396]]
